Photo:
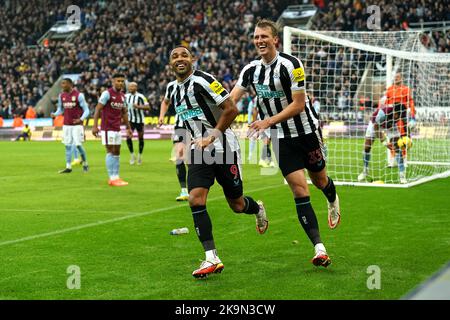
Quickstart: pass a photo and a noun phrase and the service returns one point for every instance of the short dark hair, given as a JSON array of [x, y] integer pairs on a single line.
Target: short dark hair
[[68, 80], [265, 23], [181, 46], [118, 75]]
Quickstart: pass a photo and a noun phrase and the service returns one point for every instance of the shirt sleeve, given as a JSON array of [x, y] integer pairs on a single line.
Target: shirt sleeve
[[411, 105], [144, 99], [381, 116], [296, 75], [104, 98], [168, 92], [215, 90], [60, 107], [244, 78], [84, 105]]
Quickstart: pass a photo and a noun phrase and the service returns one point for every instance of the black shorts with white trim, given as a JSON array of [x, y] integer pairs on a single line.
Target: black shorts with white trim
[[205, 167], [305, 151]]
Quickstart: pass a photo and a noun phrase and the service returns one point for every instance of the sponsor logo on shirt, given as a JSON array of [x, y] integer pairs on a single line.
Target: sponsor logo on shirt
[[263, 91], [69, 105], [117, 105], [185, 113]]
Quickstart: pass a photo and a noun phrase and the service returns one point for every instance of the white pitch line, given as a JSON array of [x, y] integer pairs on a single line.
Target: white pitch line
[[98, 223], [62, 210]]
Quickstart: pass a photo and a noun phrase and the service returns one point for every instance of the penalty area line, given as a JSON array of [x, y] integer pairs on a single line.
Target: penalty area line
[[99, 223]]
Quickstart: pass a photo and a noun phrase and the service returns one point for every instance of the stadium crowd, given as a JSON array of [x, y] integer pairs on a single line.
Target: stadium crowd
[[342, 68], [396, 15], [134, 36]]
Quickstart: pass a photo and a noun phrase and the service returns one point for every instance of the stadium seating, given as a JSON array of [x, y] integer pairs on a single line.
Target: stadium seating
[[137, 40]]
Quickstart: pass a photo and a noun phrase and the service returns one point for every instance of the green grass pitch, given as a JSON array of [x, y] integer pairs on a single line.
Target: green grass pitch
[[119, 237]]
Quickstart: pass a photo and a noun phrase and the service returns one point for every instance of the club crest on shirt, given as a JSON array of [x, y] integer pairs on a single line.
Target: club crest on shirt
[[190, 91], [73, 98], [276, 74]]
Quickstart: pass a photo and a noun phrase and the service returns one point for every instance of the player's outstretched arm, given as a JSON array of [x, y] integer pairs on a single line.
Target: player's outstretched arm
[[254, 113], [59, 109], [126, 122], [236, 94], [229, 113], [163, 110], [85, 107], [98, 109], [294, 108]]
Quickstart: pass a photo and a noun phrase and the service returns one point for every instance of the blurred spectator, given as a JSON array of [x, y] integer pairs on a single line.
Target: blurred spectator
[[396, 15], [58, 121], [136, 36], [17, 122], [136, 41], [30, 114], [40, 112]]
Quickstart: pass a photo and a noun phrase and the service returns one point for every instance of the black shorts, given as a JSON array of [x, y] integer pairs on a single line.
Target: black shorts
[[139, 127], [301, 152], [180, 135], [227, 172]]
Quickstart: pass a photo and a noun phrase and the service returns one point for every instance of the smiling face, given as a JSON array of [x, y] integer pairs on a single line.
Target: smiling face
[[266, 43], [181, 62]]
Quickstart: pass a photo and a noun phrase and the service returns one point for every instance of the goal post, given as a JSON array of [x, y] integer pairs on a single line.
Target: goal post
[[347, 76]]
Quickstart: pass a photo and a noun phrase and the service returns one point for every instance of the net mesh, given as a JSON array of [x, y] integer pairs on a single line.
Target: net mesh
[[348, 74]]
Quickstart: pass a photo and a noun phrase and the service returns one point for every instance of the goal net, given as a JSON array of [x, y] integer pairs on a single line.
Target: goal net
[[348, 75]]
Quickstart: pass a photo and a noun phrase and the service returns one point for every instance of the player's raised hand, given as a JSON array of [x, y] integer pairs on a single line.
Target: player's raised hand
[[95, 131], [160, 121], [252, 133], [260, 125], [388, 144], [129, 133], [257, 127], [202, 143]]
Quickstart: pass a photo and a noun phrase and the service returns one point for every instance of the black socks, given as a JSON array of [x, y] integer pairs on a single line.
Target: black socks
[[308, 219]]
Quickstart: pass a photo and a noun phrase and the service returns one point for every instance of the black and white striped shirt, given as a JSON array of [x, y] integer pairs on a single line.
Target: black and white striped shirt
[[196, 101], [274, 83], [179, 124], [135, 115]]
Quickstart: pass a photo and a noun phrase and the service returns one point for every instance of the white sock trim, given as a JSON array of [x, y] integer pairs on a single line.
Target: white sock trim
[[211, 255], [320, 247]]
